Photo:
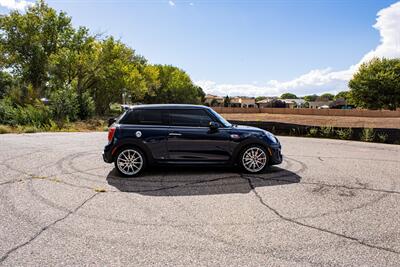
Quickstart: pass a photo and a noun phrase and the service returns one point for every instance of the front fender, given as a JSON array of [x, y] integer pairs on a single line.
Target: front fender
[[247, 142]]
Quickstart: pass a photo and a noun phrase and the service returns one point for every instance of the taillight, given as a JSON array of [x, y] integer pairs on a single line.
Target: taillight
[[111, 132]]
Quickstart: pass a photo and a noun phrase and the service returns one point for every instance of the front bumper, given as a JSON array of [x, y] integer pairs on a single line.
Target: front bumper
[[275, 155]]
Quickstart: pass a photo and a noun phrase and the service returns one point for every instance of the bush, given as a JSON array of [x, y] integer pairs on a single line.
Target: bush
[[6, 111], [64, 106], [36, 115], [4, 129], [86, 106], [382, 137], [115, 109], [345, 133], [313, 132], [327, 131], [30, 129], [367, 135]]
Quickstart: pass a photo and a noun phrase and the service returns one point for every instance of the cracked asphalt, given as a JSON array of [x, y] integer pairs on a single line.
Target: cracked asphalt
[[330, 203]]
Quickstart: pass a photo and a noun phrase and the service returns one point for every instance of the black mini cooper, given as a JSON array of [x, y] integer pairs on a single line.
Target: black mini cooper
[[146, 135]]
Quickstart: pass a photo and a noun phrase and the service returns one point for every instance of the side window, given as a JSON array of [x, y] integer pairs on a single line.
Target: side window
[[144, 116], [189, 117], [130, 118], [151, 117]]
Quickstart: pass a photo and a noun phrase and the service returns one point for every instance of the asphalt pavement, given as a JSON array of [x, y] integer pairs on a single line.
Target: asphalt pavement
[[330, 203]]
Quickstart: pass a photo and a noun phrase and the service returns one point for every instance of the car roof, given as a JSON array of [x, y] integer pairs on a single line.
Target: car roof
[[168, 106]]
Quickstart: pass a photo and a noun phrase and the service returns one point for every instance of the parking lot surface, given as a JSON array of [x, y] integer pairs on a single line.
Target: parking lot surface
[[330, 203]]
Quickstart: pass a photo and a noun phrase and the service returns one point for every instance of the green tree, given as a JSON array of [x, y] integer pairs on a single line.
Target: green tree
[[326, 97], [117, 68], [311, 98], [342, 95], [200, 93], [64, 105], [376, 85], [101, 68], [259, 98], [175, 86], [27, 40], [346, 95], [288, 96], [6, 81], [227, 101]]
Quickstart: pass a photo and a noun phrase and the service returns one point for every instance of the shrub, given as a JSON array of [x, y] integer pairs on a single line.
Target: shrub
[[327, 131], [367, 135], [64, 106], [382, 137], [4, 129], [30, 129], [115, 109], [86, 106], [345, 133], [6, 111], [313, 132], [36, 115]]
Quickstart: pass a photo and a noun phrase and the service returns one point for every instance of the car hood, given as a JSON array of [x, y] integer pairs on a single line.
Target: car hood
[[246, 128]]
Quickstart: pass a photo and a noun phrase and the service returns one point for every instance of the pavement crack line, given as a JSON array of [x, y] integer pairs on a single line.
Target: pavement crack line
[[276, 212], [43, 229], [11, 182]]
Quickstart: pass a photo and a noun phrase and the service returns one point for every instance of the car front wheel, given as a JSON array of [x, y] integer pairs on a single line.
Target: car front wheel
[[254, 159], [130, 162]]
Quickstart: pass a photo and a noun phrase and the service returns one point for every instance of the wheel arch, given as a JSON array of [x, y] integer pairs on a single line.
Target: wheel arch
[[133, 144], [246, 144]]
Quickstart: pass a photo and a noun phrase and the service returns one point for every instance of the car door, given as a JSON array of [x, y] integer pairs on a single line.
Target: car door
[[191, 139], [149, 126]]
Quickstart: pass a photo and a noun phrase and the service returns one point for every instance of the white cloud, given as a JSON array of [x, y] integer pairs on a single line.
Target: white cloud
[[388, 25], [322, 80], [171, 3], [15, 4]]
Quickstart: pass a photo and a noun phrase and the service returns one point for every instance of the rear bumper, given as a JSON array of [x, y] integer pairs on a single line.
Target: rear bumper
[[107, 154]]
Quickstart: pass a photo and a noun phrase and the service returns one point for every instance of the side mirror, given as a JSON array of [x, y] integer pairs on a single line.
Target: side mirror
[[213, 125], [111, 121]]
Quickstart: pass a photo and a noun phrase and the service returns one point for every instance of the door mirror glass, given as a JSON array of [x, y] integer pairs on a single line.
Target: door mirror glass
[[213, 125]]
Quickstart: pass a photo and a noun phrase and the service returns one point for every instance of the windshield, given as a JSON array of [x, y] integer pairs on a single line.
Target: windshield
[[221, 119]]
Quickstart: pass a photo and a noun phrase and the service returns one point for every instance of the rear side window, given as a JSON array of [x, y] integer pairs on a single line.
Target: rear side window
[[189, 117], [144, 117], [131, 117]]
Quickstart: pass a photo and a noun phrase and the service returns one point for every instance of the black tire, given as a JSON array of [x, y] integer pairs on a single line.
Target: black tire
[[133, 162], [260, 163]]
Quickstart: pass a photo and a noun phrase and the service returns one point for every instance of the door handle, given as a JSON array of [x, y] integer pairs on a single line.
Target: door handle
[[175, 134]]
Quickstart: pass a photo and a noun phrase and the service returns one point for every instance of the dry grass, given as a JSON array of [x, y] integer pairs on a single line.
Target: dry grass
[[92, 125], [334, 121]]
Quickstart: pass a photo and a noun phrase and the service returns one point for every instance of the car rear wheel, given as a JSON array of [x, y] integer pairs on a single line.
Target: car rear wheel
[[130, 162], [254, 159]]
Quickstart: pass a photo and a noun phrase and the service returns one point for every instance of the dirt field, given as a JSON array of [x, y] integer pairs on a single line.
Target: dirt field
[[335, 121]]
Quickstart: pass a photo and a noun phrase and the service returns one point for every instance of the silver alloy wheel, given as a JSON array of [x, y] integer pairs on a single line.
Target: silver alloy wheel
[[254, 159], [129, 162]]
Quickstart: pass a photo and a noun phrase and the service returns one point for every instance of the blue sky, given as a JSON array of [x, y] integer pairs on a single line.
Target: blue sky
[[241, 47]]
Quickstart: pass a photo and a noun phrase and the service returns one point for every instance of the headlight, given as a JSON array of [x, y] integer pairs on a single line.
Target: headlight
[[271, 137]]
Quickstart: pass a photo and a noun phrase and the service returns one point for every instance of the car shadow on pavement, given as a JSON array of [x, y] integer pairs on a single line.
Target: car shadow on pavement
[[187, 181]]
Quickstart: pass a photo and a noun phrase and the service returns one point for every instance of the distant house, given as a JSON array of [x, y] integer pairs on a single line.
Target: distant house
[[266, 103], [243, 102], [341, 103], [320, 104], [213, 101], [294, 103]]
